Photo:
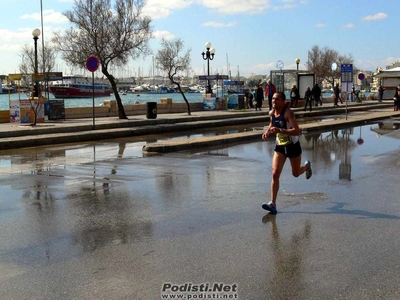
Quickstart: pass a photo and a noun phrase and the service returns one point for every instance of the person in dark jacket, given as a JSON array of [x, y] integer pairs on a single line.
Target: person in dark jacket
[[294, 96], [337, 91], [307, 98], [381, 90], [259, 96], [316, 91]]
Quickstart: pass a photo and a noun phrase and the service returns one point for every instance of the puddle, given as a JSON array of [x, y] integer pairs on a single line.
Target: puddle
[[330, 144]]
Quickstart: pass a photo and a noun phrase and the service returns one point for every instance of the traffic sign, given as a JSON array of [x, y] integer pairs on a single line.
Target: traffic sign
[[346, 72], [92, 63], [361, 76]]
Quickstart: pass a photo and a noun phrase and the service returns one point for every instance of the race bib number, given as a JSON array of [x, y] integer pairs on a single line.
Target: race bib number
[[283, 139]]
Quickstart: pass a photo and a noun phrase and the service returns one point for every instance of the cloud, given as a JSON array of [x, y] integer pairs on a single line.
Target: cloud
[[378, 16], [159, 34], [320, 25], [350, 26], [289, 4], [286, 4], [259, 69], [373, 64], [160, 9], [24, 34], [218, 24], [13, 41], [13, 48], [237, 6], [49, 16]]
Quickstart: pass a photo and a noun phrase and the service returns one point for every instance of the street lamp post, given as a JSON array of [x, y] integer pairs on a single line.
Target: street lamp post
[[297, 63], [208, 55], [36, 33]]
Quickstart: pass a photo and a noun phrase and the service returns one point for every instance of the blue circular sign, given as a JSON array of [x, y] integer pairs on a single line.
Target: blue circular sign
[[361, 76], [92, 63]]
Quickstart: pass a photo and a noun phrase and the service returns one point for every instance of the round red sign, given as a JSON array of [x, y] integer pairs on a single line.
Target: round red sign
[[92, 63]]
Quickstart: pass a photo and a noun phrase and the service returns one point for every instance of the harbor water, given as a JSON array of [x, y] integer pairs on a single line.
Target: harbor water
[[130, 98]]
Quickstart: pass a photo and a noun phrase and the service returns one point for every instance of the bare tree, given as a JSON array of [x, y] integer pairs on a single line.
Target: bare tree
[[113, 36], [27, 65], [27, 68], [170, 60], [321, 60]]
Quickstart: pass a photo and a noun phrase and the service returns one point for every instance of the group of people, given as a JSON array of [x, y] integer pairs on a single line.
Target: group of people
[[314, 94], [311, 95], [259, 96], [396, 97]]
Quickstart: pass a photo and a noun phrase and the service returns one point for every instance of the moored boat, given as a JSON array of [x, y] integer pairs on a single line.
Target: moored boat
[[76, 86]]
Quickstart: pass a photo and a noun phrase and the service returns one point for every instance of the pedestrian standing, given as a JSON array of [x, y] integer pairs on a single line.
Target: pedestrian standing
[[316, 91], [294, 96], [336, 92], [381, 90], [284, 124], [270, 90], [259, 96], [307, 98]]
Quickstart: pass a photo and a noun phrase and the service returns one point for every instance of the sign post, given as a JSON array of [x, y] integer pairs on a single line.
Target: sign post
[[280, 65], [92, 64], [346, 75]]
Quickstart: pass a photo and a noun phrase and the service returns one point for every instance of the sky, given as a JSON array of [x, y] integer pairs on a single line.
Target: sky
[[249, 36]]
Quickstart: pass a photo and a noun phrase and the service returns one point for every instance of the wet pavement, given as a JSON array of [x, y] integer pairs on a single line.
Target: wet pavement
[[102, 221]]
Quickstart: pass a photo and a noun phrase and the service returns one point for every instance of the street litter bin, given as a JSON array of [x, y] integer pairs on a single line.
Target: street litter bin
[[221, 103], [241, 101], [151, 110]]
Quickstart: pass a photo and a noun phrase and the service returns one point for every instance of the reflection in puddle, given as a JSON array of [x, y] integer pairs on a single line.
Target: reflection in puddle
[[328, 145]]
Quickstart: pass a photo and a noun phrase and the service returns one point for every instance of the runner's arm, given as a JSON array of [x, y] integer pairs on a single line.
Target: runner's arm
[[291, 119], [269, 130]]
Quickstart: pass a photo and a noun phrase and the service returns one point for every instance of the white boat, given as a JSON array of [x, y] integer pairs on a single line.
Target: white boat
[[158, 90], [6, 88]]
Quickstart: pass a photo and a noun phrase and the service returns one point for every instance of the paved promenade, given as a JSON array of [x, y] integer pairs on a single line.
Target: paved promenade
[[102, 221], [80, 130]]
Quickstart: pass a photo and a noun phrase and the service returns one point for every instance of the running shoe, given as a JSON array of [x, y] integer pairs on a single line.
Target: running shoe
[[309, 171], [270, 207]]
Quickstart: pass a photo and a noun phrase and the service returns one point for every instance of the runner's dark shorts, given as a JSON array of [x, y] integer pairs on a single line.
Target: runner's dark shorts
[[291, 150]]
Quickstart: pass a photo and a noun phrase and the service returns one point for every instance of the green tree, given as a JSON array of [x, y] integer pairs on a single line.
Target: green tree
[[112, 35], [171, 60]]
